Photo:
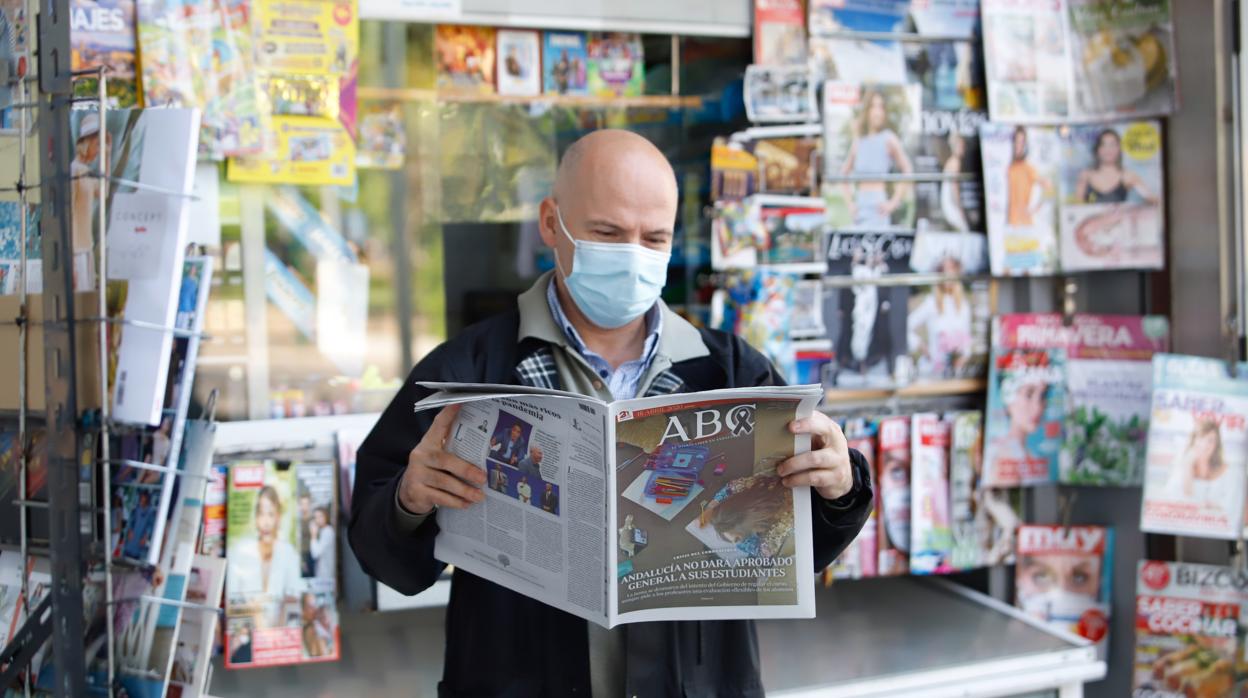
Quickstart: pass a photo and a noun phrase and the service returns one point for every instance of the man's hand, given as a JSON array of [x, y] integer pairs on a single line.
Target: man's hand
[[826, 466], [436, 478]]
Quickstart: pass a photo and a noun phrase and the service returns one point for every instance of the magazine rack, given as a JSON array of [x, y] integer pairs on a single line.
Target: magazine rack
[[79, 515]]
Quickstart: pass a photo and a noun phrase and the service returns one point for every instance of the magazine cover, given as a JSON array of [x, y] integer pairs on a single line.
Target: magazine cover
[[212, 537], [861, 558], [383, 137], [947, 329], [1197, 444], [794, 233], [16, 49], [275, 614], [154, 147], [102, 33], [1078, 59], [1109, 388], [949, 253], [1063, 578], [1189, 628], [192, 656], [306, 150], [616, 66], [737, 235], [465, 59], [565, 63], [779, 34], [867, 323], [1020, 187], [764, 318], [1112, 193], [869, 131], [836, 54], [1026, 400], [348, 443], [931, 541], [780, 94], [893, 492], [788, 165], [807, 320], [983, 521], [11, 248], [10, 482], [734, 170], [519, 62]]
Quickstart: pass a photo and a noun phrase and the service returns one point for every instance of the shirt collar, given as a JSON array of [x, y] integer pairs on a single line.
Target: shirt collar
[[654, 325]]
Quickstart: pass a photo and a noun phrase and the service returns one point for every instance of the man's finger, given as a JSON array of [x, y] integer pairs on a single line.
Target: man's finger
[[446, 500], [811, 460], [441, 427], [814, 478], [460, 468], [446, 482]]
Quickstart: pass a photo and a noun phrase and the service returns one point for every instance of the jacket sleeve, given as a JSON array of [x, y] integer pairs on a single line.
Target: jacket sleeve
[[396, 555]]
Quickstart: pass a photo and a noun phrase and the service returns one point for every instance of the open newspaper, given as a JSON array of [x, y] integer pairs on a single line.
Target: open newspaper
[[662, 508]]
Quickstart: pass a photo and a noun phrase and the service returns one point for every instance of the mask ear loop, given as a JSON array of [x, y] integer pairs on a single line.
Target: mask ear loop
[[564, 229]]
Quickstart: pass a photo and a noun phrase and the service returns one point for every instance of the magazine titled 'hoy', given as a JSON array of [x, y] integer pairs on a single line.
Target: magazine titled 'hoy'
[[662, 508]]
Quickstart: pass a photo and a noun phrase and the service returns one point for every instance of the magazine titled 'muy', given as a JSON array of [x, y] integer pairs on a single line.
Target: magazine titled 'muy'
[[662, 508]]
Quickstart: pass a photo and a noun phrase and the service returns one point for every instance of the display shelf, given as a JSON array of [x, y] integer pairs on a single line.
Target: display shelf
[[956, 386], [401, 94], [913, 636]]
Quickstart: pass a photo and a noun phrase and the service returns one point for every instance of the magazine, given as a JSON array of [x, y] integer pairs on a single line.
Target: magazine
[[860, 557], [466, 60], [947, 330], [348, 443], [983, 521], [1112, 192], [867, 323], [13, 612], [1075, 60], [383, 137], [1109, 381], [737, 235], [16, 54], [1064, 578], [779, 37], [632, 511], [616, 65], [519, 67], [1026, 400], [780, 93], [11, 248], [950, 253], [870, 130], [10, 483], [1197, 444], [845, 58], [807, 320], [931, 541], [102, 34], [565, 63], [788, 165], [1189, 630], [734, 171], [146, 148], [284, 616], [893, 492], [192, 656], [793, 229], [212, 537], [1020, 195]]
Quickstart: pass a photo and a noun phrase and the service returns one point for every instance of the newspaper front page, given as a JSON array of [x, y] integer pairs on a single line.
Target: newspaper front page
[[662, 508]]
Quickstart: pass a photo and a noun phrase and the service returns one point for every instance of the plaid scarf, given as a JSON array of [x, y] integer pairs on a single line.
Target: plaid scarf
[[538, 370]]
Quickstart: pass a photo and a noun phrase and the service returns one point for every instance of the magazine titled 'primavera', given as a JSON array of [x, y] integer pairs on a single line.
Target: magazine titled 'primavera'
[[662, 508], [1197, 443]]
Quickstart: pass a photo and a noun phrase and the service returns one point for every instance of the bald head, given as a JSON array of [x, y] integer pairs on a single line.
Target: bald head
[[612, 153]]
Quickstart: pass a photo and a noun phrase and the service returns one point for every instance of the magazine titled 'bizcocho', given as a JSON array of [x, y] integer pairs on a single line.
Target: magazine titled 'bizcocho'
[[662, 508]]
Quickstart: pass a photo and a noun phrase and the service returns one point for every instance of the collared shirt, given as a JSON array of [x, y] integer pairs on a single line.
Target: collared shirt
[[624, 381]]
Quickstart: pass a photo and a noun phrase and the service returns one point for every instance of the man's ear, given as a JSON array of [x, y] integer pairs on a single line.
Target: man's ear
[[547, 222]]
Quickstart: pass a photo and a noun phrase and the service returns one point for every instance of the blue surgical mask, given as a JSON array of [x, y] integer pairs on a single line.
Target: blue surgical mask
[[613, 283]]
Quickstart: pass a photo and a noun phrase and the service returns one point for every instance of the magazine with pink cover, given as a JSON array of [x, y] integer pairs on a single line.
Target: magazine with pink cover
[[931, 542], [893, 491]]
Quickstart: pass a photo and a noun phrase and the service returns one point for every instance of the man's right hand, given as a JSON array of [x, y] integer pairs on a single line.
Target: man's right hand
[[436, 478]]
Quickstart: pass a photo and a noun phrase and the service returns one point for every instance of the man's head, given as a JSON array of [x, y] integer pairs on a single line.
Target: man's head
[[612, 187], [535, 453], [516, 431]]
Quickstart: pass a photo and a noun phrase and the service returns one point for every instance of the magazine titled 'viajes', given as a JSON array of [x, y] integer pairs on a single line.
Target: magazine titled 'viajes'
[[662, 508]]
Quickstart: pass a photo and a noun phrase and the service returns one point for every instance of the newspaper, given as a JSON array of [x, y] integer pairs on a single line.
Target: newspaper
[[663, 508]]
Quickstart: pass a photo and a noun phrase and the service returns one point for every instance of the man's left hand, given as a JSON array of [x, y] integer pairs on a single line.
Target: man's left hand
[[826, 466]]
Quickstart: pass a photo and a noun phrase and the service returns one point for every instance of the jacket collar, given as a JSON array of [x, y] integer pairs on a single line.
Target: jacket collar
[[678, 341]]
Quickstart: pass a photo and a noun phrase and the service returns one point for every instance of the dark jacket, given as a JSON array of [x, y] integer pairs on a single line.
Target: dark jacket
[[500, 643]]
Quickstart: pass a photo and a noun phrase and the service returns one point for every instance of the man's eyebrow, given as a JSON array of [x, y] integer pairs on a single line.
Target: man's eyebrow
[[603, 223], [660, 231]]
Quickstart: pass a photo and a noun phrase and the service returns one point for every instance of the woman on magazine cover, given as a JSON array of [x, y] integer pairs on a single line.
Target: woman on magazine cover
[[1059, 586], [1108, 182], [1021, 178], [1025, 398], [951, 189], [939, 329], [264, 564], [1200, 475], [876, 150]]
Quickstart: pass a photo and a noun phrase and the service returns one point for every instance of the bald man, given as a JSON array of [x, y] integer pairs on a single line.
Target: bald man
[[595, 326]]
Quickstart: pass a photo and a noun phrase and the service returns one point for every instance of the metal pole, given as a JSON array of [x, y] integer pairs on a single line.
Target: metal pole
[[22, 442], [102, 303], [65, 437]]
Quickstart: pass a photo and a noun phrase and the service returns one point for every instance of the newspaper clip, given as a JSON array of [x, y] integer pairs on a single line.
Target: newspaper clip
[[1070, 292], [1066, 502]]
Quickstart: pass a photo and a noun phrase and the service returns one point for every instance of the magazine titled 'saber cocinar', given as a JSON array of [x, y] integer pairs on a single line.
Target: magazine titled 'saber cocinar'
[[662, 508]]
